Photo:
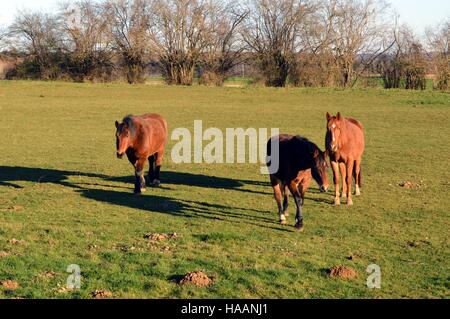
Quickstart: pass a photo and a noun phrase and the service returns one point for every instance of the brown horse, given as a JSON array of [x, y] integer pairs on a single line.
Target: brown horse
[[344, 142], [299, 160], [142, 138]]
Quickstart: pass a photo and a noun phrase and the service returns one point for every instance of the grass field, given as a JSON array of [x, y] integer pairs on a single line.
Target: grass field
[[67, 199]]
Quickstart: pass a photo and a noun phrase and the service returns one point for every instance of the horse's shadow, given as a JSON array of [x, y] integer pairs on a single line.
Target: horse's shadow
[[12, 176], [182, 208], [147, 202], [200, 180], [188, 179]]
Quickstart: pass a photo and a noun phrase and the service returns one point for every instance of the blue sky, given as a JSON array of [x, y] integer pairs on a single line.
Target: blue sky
[[417, 13]]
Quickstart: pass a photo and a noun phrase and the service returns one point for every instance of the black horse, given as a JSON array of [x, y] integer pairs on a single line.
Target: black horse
[[298, 159]]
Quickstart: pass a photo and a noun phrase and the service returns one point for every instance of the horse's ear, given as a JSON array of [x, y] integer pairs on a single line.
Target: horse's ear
[[316, 153], [328, 116], [117, 124], [338, 116]]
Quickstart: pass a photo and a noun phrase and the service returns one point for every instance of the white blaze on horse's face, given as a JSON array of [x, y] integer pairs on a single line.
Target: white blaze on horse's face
[[334, 132]]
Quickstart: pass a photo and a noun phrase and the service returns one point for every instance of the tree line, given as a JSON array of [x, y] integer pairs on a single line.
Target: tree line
[[326, 43]]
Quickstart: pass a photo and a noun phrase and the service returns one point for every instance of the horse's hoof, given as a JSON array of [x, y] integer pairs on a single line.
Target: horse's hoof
[[156, 183], [140, 191], [358, 193], [299, 225], [349, 202], [343, 196], [286, 214], [283, 222], [337, 202], [299, 228]]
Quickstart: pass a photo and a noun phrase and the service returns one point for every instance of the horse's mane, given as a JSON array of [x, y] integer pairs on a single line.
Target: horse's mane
[[306, 141], [311, 145], [129, 121], [356, 122], [302, 138]]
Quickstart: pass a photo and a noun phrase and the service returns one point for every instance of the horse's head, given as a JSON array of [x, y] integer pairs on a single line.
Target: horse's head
[[333, 135], [319, 169], [123, 137]]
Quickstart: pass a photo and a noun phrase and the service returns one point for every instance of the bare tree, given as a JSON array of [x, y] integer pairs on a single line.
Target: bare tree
[[3, 37], [180, 34], [415, 67], [295, 42], [355, 28], [272, 32], [37, 34], [3, 34], [225, 49], [129, 27], [438, 39], [404, 64], [315, 65], [85, 40], [391, 65]]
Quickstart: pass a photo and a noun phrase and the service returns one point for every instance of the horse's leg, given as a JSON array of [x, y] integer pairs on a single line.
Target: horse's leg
[[357, 171], [335, 168], [158, 161], [277, 192], [285, 201], [350, 164], [304, 187], [139, 185], [151, 170], [293, 187], [343, 170]]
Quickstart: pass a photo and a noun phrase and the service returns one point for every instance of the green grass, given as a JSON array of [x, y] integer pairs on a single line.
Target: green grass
[[65, 194]]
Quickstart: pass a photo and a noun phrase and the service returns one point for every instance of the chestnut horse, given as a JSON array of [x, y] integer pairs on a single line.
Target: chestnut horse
[[142, 138], [298, 159], [344, 142]]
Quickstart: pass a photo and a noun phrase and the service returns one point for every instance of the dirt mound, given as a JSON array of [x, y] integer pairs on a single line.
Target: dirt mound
[[159, 237], [63, 289], [92, 246], [16, 241], [342, 272], [101, 294], [417, 243], [411, 185], [407, 184], [197, 278], [47, 274], [9, 284]]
